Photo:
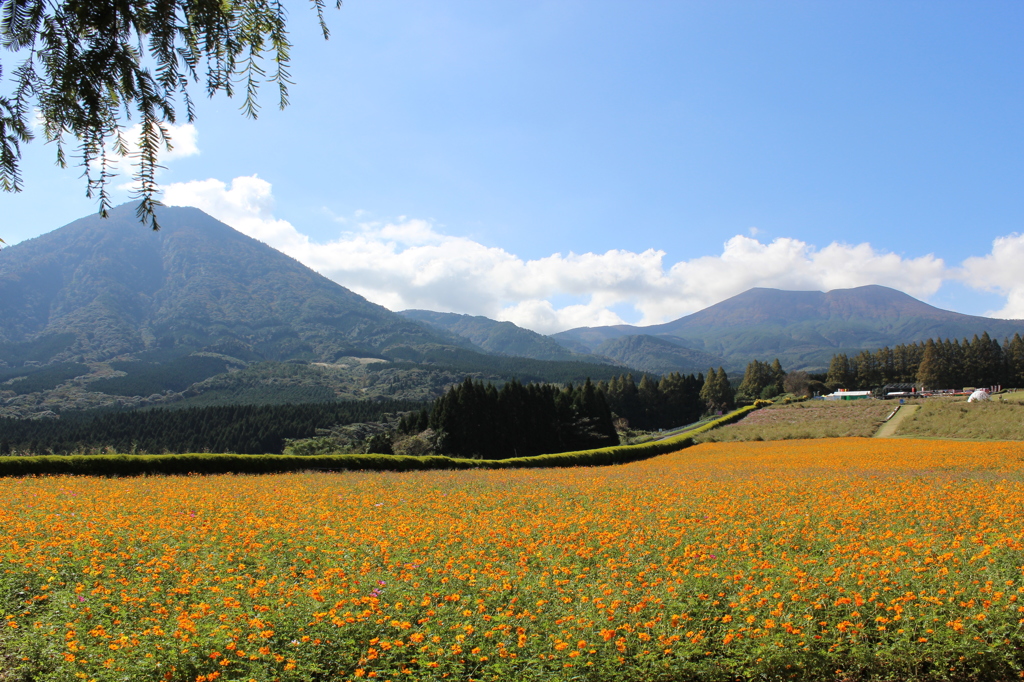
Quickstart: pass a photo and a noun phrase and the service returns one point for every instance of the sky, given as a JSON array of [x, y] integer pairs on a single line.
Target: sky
[[567, 163]]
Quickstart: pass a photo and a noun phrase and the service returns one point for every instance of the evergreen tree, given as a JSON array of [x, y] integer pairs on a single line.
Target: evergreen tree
[[867, 371], [1015, 362], [840, 374], [717, 394], [778, 378], [988, 357], [930, 372], [757, 377], [650, 402]]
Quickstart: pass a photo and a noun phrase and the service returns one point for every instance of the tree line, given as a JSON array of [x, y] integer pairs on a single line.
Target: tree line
[[933, 364], [473, 419], [241, 429], [674, 400]]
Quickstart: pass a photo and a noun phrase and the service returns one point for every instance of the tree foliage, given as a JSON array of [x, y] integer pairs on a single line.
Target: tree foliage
[[473, 419], [716, 393], [761, 380], [672, 401], [936, 363], [242, 429], [89, 68]]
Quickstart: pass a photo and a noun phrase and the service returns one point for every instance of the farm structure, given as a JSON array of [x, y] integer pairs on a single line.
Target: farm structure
[[843, 394]]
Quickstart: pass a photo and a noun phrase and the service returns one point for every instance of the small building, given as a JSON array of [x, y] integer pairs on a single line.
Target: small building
[[901, 391], [843, 394]]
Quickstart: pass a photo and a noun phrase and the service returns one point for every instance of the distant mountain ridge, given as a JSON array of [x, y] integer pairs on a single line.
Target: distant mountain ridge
[[501, 338], [99, 290], [657, 354], [804, 329], [645, 353]]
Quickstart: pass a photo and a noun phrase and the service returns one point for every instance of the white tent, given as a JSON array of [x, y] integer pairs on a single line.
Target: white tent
[[980, 394]]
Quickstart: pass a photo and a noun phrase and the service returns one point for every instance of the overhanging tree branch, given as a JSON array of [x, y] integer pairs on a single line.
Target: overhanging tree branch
[[88, 67]]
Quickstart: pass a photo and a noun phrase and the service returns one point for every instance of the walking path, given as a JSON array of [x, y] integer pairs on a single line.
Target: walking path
[[888, 429]]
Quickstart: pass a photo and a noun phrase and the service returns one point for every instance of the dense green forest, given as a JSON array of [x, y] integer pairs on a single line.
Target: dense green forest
[[146, 378], [672, 401], [242, 429], [934, 364], [38, 350], [474, 419], [523, 369], [477, 420], [34, 379]]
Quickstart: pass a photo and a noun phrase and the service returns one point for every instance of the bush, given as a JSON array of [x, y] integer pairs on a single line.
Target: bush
[[418, 445]]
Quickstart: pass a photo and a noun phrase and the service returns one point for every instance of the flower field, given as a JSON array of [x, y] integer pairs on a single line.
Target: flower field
[[835, 559]]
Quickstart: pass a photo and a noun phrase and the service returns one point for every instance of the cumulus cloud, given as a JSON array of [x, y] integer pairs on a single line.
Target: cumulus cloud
[[247, 205], [184, 142], [1000, 271], [409, 263]]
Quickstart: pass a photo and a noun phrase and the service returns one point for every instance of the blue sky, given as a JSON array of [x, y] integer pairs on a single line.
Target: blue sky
[[569, 163]]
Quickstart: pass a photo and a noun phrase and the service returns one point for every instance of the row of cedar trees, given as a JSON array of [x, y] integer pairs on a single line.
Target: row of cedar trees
[[476, 420], [934, 364]]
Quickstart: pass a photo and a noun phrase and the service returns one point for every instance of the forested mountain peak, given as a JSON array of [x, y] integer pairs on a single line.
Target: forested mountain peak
[[101, 288]]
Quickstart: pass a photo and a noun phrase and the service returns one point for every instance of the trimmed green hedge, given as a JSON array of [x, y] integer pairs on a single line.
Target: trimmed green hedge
[[136, 465]]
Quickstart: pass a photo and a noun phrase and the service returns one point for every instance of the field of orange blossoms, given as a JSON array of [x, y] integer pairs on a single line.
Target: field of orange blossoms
[[841, 559]]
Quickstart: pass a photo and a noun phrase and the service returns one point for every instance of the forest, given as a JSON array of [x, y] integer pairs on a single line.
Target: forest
[[43, 378], [477, 420], [672, 401], [474, 419], [242, 429], [934, 364], [471, 419]]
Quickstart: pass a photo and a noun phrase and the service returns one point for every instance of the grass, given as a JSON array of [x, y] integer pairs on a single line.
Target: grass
[[845, 560], [1012, 396], [810, 419], [988, 420]]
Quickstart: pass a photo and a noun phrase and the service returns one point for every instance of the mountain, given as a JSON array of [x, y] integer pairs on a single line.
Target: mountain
[[656, 354], [106, 313], [100, 288], [499, 338], [804, 329]]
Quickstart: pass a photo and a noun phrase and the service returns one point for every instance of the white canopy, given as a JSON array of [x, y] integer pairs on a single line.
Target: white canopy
[[980, 394]]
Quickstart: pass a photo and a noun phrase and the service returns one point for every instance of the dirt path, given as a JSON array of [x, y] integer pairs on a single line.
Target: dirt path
[[888, 429]]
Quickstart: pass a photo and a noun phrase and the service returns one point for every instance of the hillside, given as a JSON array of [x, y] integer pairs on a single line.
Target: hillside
[[499, 338], [803, 328], [105, 312], [658, 355], [97, 289]]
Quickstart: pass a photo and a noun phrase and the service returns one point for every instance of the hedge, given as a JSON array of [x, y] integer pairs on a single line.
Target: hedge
[[137, 465]]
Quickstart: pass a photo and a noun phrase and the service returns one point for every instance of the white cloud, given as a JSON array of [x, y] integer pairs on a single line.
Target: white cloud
[[1000, 271], [184, 142], [247, 205], [408, 263]]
